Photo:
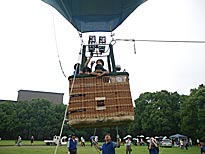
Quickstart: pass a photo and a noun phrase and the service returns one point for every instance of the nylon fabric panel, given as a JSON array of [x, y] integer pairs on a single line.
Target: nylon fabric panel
[[95, 15]]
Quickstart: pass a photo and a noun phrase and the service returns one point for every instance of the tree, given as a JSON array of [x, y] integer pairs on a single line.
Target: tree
[[39, 118], [157, 113], [193, 113], [8, 119]]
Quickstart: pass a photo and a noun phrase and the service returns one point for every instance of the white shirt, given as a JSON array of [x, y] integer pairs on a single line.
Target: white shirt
[[82, 139], [128, 142]]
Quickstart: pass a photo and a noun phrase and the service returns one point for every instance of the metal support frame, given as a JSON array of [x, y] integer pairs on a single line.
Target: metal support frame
[[83, 58], [110, 59], [108, 62]]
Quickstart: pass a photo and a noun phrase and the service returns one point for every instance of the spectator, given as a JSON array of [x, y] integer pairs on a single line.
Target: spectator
[[186, 144], [153, 147], [82, 141], [96, 139], [198, 143], [91, 140], [19, 141], [202, 142], [32, 140], [72, 145], [128, 145], [109, 146], [190, 141], [181, 144], [138, 141]]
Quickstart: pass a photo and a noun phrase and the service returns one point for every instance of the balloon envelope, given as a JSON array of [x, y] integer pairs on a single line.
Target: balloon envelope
[[95, 15]]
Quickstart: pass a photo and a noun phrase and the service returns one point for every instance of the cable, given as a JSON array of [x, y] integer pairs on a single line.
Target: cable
[[94, 142], [161, 150], [134, 48], [66, 110], [166, 41], [54, 30], [156, 41], [117, 130], [81, 38]]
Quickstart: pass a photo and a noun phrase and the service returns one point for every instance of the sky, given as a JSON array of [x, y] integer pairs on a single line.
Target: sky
[[29, 55]]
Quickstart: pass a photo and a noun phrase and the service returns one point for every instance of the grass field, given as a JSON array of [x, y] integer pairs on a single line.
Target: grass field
[[9, 147]]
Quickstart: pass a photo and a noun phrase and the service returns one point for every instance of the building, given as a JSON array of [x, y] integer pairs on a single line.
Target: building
[[28, 95]]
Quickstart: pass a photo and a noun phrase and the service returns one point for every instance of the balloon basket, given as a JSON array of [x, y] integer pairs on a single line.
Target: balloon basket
[[100, 101]]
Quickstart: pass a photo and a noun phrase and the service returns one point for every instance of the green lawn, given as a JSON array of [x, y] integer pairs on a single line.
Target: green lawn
[[9, 147]]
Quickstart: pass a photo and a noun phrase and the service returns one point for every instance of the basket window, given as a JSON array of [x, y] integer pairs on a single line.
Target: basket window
[[100, 103]]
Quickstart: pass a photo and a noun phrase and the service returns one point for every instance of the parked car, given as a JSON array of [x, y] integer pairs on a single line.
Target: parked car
[[166, 143]]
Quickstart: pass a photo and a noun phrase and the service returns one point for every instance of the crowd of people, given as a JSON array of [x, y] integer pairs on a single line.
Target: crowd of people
[[108, 147], [19, 141]]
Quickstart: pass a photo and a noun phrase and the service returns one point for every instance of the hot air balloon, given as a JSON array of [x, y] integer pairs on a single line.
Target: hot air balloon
[[95, 15], [106, 100]]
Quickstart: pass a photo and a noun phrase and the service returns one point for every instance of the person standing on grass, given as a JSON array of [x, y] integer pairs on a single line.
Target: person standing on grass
[[32, 140], [202, 142], [108, 146], [186, 144], [72, 144], [198, 143], [19, 142], [91, 140], [153, 147], [82, 141], [128, 145], [181, 144]]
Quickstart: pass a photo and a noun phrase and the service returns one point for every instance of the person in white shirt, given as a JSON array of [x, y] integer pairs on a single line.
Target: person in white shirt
[[128, 145], [82, 141]]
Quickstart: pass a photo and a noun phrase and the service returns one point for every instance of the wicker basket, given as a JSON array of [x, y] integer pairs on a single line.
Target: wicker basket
[[100, 101]]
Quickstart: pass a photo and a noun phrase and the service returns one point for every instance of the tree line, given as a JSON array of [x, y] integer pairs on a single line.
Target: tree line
[[158, 113], [39, 118], [165, 113]]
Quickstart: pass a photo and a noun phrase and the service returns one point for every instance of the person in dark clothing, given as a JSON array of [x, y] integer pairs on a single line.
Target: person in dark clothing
[[109, 146], [86, 69], [32, 140], [202, 142], [153, 148], [186, 144], [99, 70], [76, 69], [72, 145], [91, 140]]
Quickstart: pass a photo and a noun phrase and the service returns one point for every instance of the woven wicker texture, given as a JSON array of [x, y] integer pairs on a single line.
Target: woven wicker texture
[[100, 101]]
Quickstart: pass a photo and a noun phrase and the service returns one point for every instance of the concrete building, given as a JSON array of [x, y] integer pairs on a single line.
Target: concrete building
[[28, 95]]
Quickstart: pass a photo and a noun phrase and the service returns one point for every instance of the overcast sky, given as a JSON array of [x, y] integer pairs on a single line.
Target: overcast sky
[[29, 59]]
